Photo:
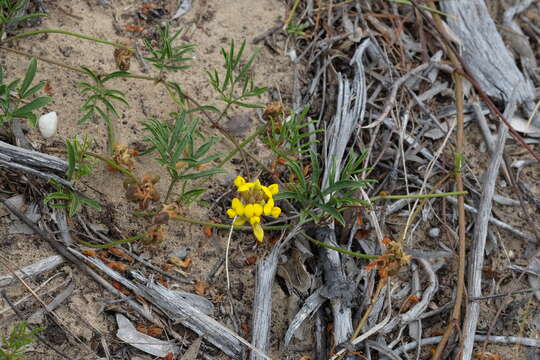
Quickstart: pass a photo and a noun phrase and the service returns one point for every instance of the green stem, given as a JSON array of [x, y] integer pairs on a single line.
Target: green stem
[[338, 249], [291, 14], [418, 196], [113, 164], [63, 32], [212, 224], [171, 186], [110, 134], [111, 244], [243, 144]]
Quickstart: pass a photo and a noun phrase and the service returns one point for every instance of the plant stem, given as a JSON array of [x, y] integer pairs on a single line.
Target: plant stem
[[111, 244], [110, 135], [171, 186], [462, 222], [222, 226], [63, 32], [291, 14], [113, 164], [242, 145], [338, 249], [418, 196]]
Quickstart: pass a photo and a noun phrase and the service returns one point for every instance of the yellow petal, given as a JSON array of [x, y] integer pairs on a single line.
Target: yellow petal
[[231, 213], [240, 221], [258, 232], [239, 181], [236, 203], [267, 192], [238, 206], [248, 210], [275, 212], [245, 187], [254, 220], [268, 209], [274, 189], [257, 209]]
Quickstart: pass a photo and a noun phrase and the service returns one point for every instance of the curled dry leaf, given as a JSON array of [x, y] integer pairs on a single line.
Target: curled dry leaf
[[117, 266], [89, 253], [250, 260], [133, 28], [207, 231], [200, 287], [180, 263], [120, 254]]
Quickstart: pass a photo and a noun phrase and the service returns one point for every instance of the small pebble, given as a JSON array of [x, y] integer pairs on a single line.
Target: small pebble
[[48, 124], [434, 232]]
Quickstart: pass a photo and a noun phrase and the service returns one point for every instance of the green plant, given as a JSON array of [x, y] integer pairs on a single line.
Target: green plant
[[315, 203], [175, 141], [166, 56], [297, 29], [15, 97], [79, 165], [9, 13], [16, 344], [291, 137], [100, 100], [237, 86]]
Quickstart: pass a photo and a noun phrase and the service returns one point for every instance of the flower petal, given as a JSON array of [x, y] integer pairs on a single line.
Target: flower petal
[[231, 213], [254, 220], [245, 187], [248, 210], [239, 181], [274, 189], [240, 221], [276, 212], [236, 203], [267, 192], [257, 209], [258, 232]]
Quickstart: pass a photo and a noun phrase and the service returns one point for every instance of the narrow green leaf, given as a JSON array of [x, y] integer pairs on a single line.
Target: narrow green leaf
[[33, 105], [28, 77]]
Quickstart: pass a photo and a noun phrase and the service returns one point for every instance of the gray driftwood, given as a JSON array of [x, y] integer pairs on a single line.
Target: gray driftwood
[[177, 308], [36, 268], [32, 159], [476, 262], [484, 52], [349, 115], [262, 303]]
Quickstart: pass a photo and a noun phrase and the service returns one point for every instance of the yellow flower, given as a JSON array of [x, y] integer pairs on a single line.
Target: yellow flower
[[253, 201], [239, 181]]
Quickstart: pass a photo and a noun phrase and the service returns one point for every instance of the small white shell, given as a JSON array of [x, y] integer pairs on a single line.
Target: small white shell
[[48, 124]]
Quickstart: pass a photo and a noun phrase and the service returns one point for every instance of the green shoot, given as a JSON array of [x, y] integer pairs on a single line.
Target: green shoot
[[306, 190], [237, 86], [8, 14], [15, 97], [291, 136], [100, 100], [166, 56], [174, 141], [16, 344], [297, 29], [79, 165]]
